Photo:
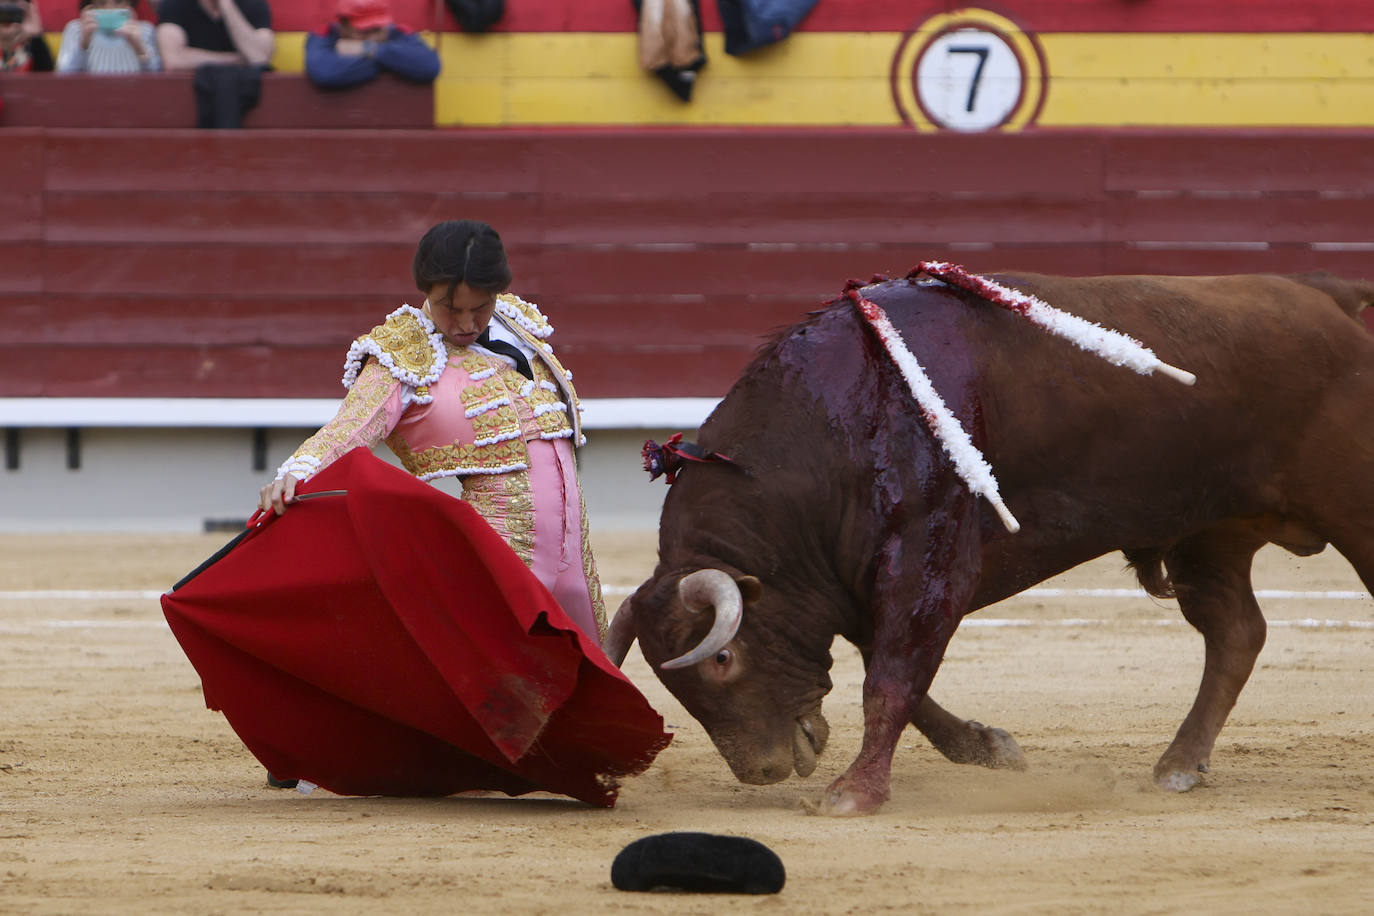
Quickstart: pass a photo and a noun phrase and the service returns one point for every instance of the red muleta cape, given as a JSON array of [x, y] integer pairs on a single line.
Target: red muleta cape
[[389, 642]]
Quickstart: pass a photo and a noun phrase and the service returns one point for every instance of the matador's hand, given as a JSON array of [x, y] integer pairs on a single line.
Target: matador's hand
[[278, 494]]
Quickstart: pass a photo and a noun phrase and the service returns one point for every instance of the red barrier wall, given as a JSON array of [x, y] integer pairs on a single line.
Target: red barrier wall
[[241, 264], [167, 100]]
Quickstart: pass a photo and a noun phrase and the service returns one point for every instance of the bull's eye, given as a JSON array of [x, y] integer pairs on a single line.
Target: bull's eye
[[723, 657]]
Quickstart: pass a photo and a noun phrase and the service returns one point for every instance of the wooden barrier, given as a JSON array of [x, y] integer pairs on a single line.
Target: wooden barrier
[[241, 263], [167, 101]]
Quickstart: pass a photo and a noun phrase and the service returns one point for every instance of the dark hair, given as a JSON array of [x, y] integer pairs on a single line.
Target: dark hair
[[85, 3], [461, 251], [476, 15]]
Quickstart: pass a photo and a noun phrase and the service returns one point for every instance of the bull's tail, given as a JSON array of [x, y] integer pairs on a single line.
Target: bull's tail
[[1351, 295], [1148, 565]]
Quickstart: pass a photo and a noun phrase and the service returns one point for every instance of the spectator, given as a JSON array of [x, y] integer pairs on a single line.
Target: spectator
[[22, 48], [108, 37], [196, 32], [228, 43], [363, 42]]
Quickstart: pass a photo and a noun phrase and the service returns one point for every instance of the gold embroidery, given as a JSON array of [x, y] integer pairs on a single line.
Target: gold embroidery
[[504, 500], [477, 393], [553, 425], [542, 397], [541, 421], [538, 325], [499, 424], [556, 370], [542, 373], [459, 458], [405, 346], [474, 363], [589, 570], [361, 419], [564, 391]]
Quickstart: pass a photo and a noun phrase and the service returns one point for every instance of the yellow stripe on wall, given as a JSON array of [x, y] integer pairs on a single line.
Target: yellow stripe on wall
[[1205, 103], [584, 78], [1308, 56], [288, 53], [1252, 80], [843, 78]]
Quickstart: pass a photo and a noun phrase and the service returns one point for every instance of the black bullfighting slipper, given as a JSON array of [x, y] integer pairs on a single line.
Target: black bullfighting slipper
[[275, 783], [702, 862]]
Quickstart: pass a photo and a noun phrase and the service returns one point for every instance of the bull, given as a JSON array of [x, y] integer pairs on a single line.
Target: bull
[[838, 513]]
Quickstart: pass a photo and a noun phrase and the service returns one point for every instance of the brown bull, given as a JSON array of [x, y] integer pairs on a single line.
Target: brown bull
[[841, 515]]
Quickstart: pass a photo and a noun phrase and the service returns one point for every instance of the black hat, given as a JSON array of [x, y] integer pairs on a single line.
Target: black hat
[[703, 862]]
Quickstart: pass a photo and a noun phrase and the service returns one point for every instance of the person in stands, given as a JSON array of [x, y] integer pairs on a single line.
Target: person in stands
[[363, 42], [108, 37], [191, 33], [22, 48], [228, 43]]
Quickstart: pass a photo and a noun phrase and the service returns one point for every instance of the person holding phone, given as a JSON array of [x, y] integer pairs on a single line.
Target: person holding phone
[[108, 37]]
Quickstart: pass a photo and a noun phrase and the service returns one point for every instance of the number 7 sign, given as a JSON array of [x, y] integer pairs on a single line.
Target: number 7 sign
[[971, 71]]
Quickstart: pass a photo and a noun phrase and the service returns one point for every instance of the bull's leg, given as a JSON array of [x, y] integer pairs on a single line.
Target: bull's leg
[[1336, 490], [966, 741], [1211, 575], [926, 577], [1359, 550], [1352, 533], [963, 740]]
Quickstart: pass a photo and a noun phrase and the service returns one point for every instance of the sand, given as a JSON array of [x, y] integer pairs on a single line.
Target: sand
[[121, 793]]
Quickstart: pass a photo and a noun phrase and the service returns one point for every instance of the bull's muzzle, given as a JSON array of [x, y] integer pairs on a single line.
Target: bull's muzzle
[[764, 766]]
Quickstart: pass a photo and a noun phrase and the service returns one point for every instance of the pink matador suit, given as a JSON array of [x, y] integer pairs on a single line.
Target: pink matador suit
[[467, 412]]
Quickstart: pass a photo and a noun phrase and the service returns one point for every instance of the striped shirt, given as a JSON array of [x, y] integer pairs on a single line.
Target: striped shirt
[[108, 53]]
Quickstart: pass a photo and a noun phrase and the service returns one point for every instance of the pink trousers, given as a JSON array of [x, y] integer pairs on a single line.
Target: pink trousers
[[558, 547]]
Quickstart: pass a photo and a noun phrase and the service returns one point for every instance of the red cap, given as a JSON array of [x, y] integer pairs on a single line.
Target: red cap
[[365, 15]]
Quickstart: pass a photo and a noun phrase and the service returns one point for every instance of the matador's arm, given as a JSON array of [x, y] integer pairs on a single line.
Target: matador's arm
[[368, 414]]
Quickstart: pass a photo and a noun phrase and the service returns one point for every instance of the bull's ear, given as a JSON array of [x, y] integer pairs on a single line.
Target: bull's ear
[[750, 589], [620, 635]]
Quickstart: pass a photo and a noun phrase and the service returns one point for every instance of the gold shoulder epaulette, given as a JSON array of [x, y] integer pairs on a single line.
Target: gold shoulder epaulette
[[407, 345], [525, 314]]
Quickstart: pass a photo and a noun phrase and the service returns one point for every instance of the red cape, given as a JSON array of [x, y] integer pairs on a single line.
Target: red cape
[[389, 642]]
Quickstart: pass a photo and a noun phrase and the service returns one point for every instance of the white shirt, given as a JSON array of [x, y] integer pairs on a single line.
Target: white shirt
[[108, 53]]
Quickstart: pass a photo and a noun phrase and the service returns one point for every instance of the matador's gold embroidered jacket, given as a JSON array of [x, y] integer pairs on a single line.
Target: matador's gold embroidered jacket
[[449, 411], [480, 426]]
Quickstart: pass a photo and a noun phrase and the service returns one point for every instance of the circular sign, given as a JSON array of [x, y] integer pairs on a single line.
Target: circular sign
[[968, 79], [970, 71]]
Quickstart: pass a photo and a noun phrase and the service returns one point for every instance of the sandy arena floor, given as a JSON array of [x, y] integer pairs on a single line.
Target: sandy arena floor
[[121, 793]]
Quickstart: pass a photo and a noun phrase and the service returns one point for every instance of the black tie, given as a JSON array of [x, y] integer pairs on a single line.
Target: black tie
[[505, 349]]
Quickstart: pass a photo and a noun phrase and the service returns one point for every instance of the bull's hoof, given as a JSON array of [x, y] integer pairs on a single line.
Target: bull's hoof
[[999, 750], [981, 745], [841, 800], [1177, 780], [1173, 774]]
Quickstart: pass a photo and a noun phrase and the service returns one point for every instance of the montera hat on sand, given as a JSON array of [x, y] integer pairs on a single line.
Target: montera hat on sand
[[703, 862]]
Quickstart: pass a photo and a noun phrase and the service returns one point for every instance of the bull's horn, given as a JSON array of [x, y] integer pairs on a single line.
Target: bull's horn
[[710, 588], [620, 635]]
